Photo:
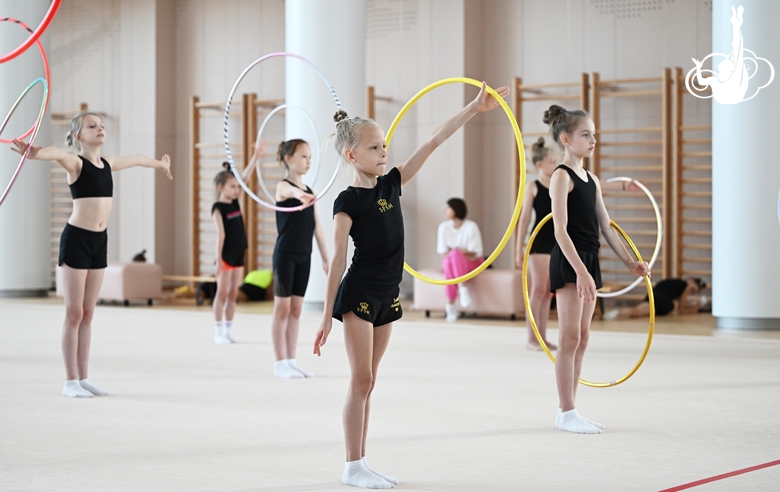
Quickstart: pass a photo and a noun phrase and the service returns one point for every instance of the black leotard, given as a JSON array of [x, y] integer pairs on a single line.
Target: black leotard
[[93, 181], [235, 234], [545, 239], [295, 229]]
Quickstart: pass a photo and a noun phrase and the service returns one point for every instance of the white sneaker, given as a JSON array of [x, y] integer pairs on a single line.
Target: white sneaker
[[451, 311], [463, 295], [611, 315]]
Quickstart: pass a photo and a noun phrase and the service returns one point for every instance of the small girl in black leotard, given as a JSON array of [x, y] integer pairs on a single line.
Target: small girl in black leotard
[[537, 197], [292, 255], [579, 212], [231, 246], [367, 300]]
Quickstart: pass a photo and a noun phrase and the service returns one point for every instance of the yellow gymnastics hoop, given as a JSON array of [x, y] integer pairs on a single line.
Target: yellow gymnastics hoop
[[520, 190], [531, 319]]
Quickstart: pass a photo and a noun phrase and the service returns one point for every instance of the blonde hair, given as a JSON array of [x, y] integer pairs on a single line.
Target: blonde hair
[[75, 128], [348, 130]]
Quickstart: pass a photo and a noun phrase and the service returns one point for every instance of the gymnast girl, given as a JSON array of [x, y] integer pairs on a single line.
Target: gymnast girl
[[231, 245], [367, 299], [579, 213], [292, 255], [83, 244], [537, 199]]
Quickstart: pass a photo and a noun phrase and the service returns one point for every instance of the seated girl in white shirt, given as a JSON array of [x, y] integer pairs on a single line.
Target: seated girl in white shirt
[[460, 241]]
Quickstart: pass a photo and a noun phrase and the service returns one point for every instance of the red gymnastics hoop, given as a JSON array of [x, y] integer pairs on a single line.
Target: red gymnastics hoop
[[36, 34], [45, 68]]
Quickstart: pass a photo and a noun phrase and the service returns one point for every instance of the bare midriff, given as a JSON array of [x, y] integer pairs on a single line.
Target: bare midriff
[[91, 213]]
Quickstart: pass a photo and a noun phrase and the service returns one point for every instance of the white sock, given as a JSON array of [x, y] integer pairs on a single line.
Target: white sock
[[219, 333], [594, 424], [386, 477], [72, 389], [611, 315], [84, 383], [293, 364], [357, 475], [463, 295], [228, 334], [451, 311], [283, 370], [572, 422]]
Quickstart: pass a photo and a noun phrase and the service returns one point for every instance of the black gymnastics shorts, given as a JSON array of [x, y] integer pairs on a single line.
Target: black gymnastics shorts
[[83, 249], [562, 273], [663, 304], [291, 274], [378, 307]]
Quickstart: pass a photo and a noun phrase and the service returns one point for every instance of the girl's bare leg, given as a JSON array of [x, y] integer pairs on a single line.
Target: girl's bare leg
[[234, 282], [74, 285], [291, 335], [220, 298], [541, 298], [282, 309], [94, 281]]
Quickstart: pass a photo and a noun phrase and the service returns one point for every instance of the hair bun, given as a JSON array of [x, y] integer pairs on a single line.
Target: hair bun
[[540, 142], [226, 165], [340, 115], [552, 114]]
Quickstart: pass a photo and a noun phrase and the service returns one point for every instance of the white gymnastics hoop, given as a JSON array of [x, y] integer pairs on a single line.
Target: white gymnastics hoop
[[226, 136], [658, 239], [316, 145]]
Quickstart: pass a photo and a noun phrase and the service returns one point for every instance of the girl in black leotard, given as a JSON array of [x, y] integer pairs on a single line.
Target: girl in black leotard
[[83, 246], [537, 198], [367, 299], [231, 245], [292, 255], [579, 212]]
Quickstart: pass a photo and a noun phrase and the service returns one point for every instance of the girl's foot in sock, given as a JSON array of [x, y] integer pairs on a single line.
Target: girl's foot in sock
[[283, 370], [451, 311], [357, 475], [84, 383], [229, 333], [570, 421], [294, 365], [219, 333], [386, 477], [72, 389], [594, 424]]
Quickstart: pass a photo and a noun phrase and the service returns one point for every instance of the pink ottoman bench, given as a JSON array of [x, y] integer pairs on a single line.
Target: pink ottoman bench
[[127, 281], [493, 292]]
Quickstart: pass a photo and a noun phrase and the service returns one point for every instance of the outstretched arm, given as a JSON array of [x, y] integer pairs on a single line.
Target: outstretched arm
[[69, 161], [319, 236], [483, 102], [119, 163]]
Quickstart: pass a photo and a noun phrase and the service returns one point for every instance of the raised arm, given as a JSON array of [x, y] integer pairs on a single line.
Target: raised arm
[[636, 267], [341, 225], [253, 162], [522, 223], [69, 161], [119, 163], [483, 102], [319, 236]]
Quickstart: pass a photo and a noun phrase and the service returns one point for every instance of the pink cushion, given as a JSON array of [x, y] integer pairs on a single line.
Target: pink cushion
[[494, 291], [126, 281]]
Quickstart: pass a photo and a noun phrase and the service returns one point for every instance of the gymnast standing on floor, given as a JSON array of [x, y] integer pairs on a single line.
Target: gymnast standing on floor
[[367, 299], [292, 255], [83, 245], [231, 245], [579, 212]]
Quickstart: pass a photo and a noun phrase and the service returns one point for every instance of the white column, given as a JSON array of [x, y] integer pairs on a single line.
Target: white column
[[25, 220], [746, 173], [331, 34]]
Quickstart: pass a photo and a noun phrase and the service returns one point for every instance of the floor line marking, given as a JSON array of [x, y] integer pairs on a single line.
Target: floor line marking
[[734, 473]]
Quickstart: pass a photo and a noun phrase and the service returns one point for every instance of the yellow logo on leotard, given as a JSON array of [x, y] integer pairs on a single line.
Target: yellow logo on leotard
[[396, 304], [363, 308], [384, 205]]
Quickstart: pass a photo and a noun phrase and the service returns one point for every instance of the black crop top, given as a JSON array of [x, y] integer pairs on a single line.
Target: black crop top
[[93, 181], [377, 231], [295, 229]]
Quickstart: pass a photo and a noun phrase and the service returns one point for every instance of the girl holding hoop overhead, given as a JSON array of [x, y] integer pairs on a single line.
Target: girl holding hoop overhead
[[367, 299], [83, 245], [292, 255], [578, 213], [231, 245]]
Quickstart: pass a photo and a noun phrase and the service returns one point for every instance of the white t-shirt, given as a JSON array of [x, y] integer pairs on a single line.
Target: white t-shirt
[[466, 237]]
